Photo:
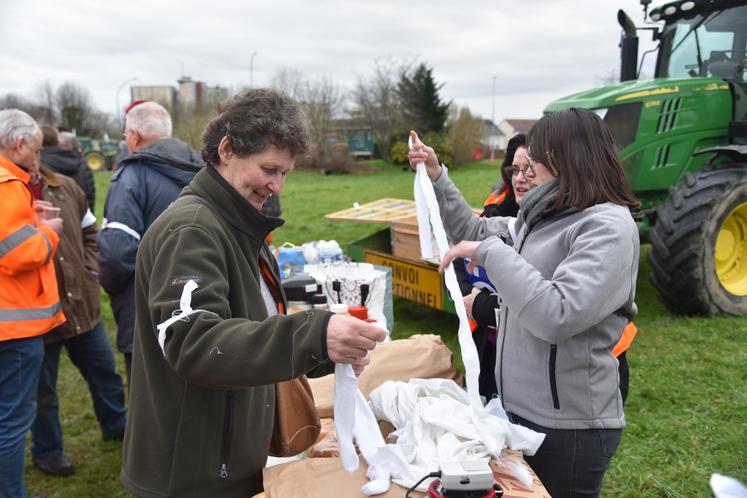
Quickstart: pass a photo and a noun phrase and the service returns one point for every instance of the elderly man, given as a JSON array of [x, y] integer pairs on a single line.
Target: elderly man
[[29, 302], [146, 182]]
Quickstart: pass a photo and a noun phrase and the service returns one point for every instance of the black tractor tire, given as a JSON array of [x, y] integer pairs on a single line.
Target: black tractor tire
[[684, 240]]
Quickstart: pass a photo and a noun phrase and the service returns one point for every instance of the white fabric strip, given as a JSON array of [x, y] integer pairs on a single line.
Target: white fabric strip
[[185, 309], [88, 219], [428, 205], [120, 226]]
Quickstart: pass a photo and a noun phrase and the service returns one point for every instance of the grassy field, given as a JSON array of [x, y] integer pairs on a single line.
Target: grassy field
[[687, 410]]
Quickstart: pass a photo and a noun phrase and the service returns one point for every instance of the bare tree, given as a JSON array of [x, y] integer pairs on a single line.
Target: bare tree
[[46, 101], [75, 108], [321, 99], [609, 77], [289, 81], [377, 102]]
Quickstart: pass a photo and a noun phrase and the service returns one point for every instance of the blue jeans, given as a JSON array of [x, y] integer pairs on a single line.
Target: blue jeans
[[92, 353], [20, 360], [572, 463]]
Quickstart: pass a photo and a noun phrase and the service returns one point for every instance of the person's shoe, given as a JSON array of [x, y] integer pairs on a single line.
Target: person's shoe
[[56, 465]]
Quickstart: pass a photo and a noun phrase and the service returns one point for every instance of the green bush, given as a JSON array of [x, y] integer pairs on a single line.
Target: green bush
[[440, 144], [398, 152]]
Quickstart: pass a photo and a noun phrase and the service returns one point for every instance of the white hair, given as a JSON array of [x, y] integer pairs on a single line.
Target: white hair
[[15, 124], [68, 140], [151, 120]]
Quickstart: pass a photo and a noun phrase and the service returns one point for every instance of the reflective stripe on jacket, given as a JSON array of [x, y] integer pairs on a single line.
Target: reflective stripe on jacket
[[29, 300]]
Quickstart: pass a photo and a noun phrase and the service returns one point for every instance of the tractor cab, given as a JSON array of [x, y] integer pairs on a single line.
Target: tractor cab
[[707, 39]]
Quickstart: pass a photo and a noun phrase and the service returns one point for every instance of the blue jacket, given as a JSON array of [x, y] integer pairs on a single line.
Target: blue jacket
[[146, 182]]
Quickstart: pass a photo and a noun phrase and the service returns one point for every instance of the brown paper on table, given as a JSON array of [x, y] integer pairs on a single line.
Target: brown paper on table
[[325, 478], [421, 356]]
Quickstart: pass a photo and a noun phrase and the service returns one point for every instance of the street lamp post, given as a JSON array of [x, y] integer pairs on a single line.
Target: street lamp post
[[119, 89], [251, 70], [492, 120]]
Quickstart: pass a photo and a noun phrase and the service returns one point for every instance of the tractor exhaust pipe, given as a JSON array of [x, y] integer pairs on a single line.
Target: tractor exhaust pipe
[[628, 48]]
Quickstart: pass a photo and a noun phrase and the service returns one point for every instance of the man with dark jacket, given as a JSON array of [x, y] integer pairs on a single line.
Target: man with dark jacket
[[83, 334], [60, 154], [146, 182]]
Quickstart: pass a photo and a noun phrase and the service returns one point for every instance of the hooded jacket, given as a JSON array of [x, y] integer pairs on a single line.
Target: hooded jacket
[[69, 163], [567, 287], [202, 399], [144, 185]]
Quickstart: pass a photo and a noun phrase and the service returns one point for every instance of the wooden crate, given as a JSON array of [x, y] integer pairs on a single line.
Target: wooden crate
[[406, 239]]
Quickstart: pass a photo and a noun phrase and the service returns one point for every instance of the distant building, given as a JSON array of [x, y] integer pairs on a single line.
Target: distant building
[[197, 93], [163, 94], [189, 94], [510, 127], [492, 137]]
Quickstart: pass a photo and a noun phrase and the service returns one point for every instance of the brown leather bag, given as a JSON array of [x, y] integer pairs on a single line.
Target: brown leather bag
[[297, 424]]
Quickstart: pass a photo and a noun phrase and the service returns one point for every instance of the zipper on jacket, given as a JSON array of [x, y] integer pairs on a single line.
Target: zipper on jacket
[[553, 381], [225, 451]]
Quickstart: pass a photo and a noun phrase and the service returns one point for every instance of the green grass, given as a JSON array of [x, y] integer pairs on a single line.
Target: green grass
[[687, 410]]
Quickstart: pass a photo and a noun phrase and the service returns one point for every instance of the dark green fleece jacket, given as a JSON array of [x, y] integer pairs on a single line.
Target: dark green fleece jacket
[[201, 409]]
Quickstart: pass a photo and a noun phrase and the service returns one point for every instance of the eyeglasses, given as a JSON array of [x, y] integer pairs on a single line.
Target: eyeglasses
[[512, 171]]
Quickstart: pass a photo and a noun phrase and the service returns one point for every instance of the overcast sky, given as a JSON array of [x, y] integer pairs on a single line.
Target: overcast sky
[[538, 50]]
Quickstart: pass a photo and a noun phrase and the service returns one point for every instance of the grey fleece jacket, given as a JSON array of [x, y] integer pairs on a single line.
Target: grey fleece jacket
[[567, 288]]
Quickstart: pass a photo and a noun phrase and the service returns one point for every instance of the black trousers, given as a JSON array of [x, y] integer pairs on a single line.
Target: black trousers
[[572, 463]]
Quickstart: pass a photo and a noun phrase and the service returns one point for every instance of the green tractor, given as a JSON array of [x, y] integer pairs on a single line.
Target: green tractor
[[683, 141], [99, 154]]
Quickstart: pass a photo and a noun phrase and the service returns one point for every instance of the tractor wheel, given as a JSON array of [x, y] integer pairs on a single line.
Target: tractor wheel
[[96, 161], [699, 244]]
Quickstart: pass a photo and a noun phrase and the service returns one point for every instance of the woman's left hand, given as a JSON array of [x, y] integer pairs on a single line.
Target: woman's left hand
[[469, 300], [464, 249]]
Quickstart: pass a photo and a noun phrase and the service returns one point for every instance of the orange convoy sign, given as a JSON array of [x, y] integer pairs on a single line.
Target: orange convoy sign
[[419, 283]]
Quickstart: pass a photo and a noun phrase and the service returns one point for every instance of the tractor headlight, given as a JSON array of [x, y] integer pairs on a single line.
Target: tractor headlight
[[601, 112]]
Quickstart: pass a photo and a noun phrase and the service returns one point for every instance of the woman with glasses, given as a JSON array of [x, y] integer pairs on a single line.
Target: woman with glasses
[[479, 299], [567, 285]]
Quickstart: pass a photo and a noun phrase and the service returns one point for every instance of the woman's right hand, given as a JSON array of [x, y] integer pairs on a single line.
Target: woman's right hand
[[349, 340], [421, 153]]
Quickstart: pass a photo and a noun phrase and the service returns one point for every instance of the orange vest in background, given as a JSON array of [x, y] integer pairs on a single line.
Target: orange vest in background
[[626, 339], [495, 198], [29, 300]]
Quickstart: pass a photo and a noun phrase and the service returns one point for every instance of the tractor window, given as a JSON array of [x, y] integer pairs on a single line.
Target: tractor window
[[710, 44]]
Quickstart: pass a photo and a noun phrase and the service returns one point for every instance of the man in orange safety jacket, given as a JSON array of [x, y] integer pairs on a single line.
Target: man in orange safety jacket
[[29, 300]]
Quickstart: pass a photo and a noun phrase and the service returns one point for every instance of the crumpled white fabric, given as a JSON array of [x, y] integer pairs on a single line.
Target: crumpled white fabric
[[436, 423], [727, 487]]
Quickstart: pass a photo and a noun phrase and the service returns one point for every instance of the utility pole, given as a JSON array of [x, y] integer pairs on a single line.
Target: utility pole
[[492, 121]]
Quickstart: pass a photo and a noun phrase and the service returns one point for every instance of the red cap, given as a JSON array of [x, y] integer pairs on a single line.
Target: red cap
[[360, 312], [134, 103]]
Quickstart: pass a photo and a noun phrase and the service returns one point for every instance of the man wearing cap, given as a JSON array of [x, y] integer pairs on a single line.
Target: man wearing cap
[[145, 183], [29, 301]]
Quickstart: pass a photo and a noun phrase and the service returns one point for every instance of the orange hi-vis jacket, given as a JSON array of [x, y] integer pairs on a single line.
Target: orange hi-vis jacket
[[29, 300]]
